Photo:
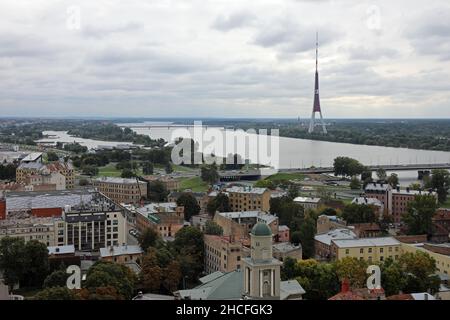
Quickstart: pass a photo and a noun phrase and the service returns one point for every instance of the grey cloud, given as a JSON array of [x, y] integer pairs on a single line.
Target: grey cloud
[[233, 21], [100, 31]]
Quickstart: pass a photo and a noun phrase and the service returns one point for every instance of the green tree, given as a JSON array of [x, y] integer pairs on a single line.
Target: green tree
[[190, 204], [105, 274], [37, 265], [352, 269], [189, 246], [220, 203], [393, 180], [57, 278], [209, 173], [148, 239], [381, 174], [359, 213], [355, 183], [393, 277], [83, 182], [213, 228], [328, 212], [307, 232], [420, 270], [52, 156], [347, 167], [151, 274], [147, 168], [55, 293], [89, 170], [418, 218], [172, 276], [127, 173], [12, 259], [168, 168], [440, 180], [156, 191]]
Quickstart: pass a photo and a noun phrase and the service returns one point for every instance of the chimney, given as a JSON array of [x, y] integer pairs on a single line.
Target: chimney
[[345, 285]]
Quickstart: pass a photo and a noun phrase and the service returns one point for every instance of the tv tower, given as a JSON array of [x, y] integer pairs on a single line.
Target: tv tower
[[316, 106]]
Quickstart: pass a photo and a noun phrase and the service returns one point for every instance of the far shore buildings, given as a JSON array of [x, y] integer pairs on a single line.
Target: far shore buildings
[[249, 198], [121, 190], [165, 218], [395, 201]]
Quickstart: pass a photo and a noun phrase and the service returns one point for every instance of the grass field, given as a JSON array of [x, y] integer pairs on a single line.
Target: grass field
[[195, 184], [287, 176], [111, 171]]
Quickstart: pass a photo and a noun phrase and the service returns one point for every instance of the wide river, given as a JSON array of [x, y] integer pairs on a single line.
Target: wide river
[[293, 153]]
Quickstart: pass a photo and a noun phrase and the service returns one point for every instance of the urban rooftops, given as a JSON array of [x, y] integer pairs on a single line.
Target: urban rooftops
[[366, 242], [117, 180], [247, 189]]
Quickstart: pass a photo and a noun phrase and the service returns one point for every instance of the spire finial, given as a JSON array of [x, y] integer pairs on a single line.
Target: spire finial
[[317, 49]]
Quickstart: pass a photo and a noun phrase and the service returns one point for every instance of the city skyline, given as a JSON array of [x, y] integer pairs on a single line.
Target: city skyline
[[224, 59]]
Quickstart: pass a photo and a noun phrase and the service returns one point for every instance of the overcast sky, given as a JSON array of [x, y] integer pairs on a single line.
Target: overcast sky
[[224, 58]]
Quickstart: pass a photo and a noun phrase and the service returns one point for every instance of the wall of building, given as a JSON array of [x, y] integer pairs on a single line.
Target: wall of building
[[442, 261], [46, 212], [2, 209], [369, 254]]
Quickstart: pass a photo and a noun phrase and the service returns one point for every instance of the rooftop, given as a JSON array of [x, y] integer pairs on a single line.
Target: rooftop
[[336, 234], [47, 199], [412, 192], [378, 187], [157, 207], [286, 247], [307, 200], [61, 249], [120, 250], [366, 242], [118, 180], [247, 190], [367, 201], [32, 157], [258, 215]]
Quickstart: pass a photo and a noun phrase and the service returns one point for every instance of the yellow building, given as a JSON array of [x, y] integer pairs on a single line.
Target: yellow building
[[249, 198], [368, 249], [121, 190], [222, 254], [442, 261]]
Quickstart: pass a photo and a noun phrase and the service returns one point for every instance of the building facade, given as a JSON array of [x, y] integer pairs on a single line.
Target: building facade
[[165, 218], [249, 199], [121, 190], [222, 254]]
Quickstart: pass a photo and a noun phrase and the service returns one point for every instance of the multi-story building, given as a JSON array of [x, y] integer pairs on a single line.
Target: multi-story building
[[35, 169], [372, 250], [283, 234], [239, 224], [249, 198], [66, 169], [45, 182], [381, 192], [327, 223], [170, 183], [442, 259], [322, 242], [401, 199], [222, 254], [199, 221], [373, 202], [43, 204], [441, 226], [309, 203], [395, 201], [49, 231], [121, 190], [96, 224], [286, 249], [166, 218], [122, 254]]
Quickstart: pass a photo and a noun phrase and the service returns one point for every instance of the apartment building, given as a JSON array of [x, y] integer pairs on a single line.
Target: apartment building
[[166, 218], [122, 254], [249, 198], [35, 169], [239, 224], [323, 241], [372, 250], [309, 203], [96, 224], [49, 231], [401, 199], [222, 254], [121, 190]]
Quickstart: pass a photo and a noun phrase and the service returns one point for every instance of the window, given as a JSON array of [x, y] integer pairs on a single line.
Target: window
[[381, 250], [361, 250], [238, 258], [347, 251], [370, 250]]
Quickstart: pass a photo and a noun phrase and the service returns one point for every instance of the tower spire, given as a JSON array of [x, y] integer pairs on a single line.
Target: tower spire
[[316, 105]]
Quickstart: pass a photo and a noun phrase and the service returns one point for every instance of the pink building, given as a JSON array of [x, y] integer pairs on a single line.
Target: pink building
[[283, 234]]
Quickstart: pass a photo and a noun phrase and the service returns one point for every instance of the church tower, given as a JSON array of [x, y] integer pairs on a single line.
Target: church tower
[[261, 270]]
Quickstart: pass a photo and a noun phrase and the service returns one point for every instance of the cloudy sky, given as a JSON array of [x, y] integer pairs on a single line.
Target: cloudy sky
[[224, 58]]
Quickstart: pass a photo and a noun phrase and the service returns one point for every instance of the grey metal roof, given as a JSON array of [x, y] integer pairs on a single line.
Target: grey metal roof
[[289, 288]]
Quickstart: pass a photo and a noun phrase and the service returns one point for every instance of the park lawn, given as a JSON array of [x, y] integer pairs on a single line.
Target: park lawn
[[196, 184], [286, 176], [110, 171]]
